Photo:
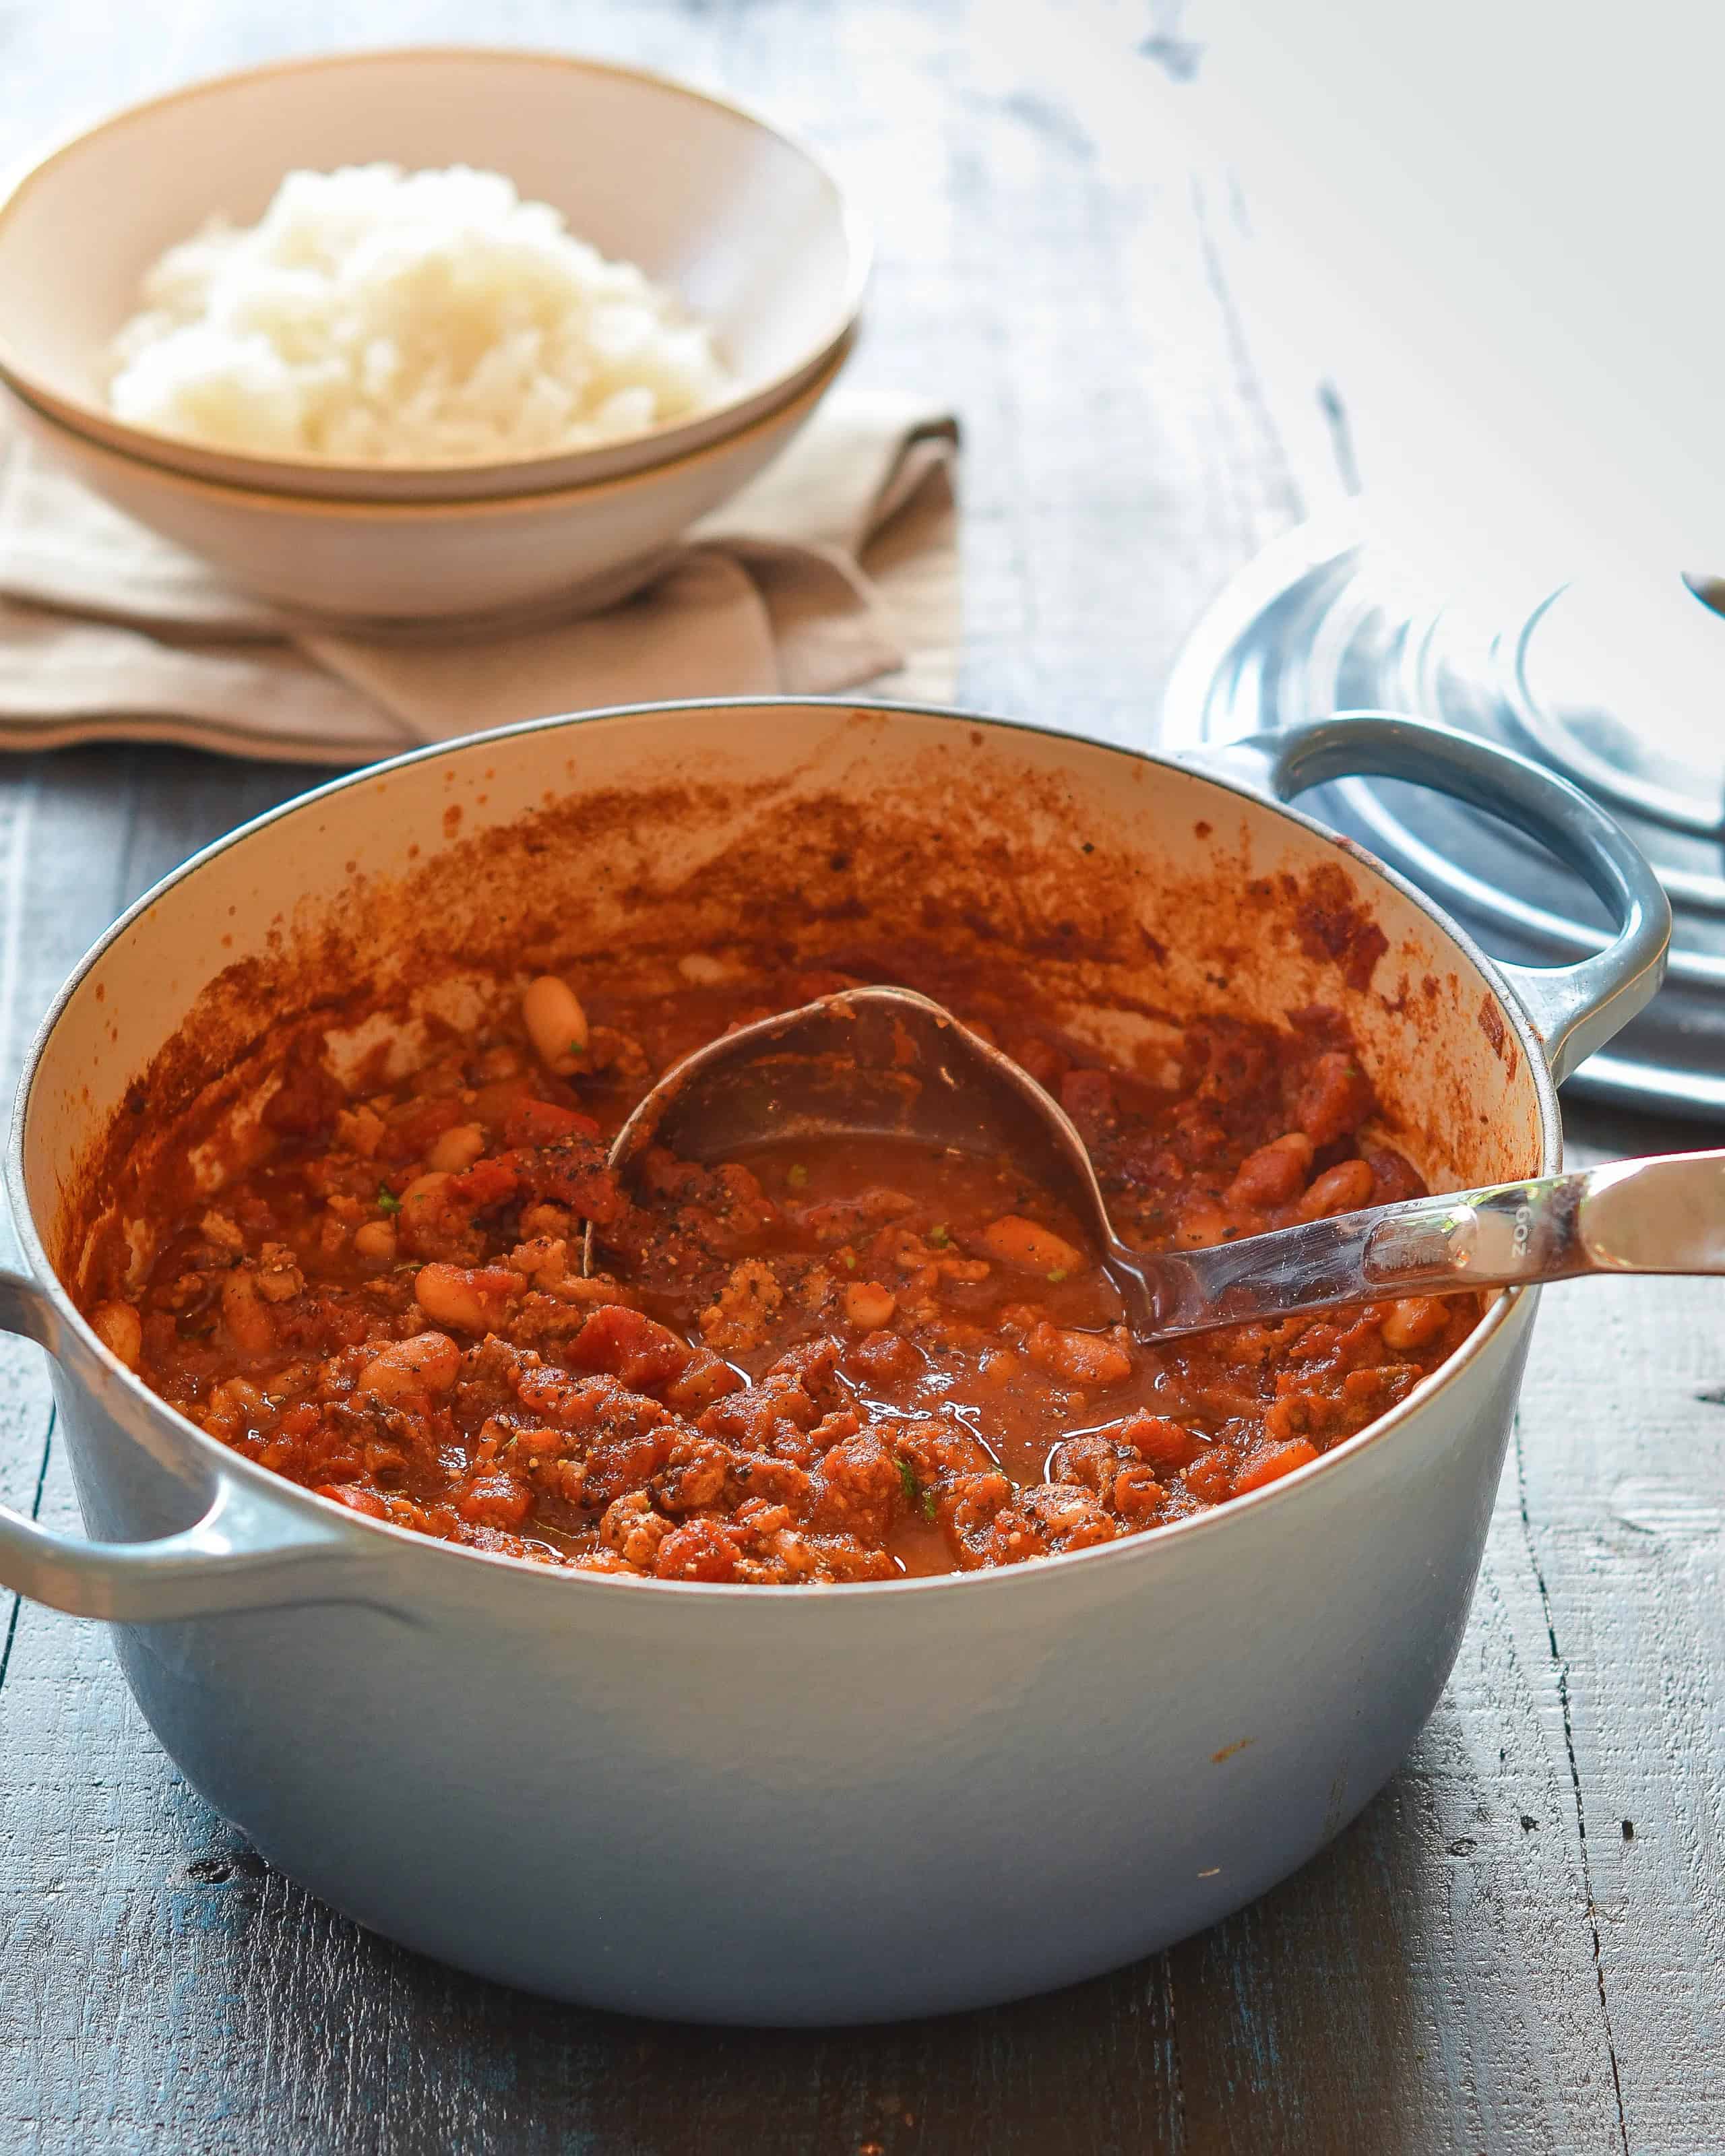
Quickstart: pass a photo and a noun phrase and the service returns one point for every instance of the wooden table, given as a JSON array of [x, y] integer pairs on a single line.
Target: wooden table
[[1518, 1946]]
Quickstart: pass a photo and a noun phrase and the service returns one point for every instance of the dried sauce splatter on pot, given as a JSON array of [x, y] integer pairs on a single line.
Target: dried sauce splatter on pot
[[830, 1363], [1333, 925]]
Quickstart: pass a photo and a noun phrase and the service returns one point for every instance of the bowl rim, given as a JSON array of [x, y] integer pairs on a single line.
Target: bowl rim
[[855, 228], [321, 507], [1509, 1305]]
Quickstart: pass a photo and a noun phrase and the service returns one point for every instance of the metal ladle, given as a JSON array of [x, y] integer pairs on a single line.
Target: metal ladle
[[883, 1062]]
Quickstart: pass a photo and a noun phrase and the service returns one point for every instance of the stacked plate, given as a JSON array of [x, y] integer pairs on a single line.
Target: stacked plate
[[750, 230], [1621, 693]]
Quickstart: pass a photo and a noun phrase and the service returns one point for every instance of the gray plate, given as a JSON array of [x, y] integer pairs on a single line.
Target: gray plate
[[1315, 625]]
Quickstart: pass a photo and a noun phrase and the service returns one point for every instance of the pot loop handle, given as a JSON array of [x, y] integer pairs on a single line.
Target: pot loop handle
[[250, 1550], [1574, 1009]]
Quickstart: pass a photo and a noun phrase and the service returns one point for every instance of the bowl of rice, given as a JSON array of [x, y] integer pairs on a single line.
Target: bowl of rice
[[460, 566], [435, 275]]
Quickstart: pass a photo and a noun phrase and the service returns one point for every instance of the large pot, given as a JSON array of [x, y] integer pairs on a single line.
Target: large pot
[[850, 1803]]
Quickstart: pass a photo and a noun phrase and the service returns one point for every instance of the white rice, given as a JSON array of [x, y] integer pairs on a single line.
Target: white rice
[[378, 316]]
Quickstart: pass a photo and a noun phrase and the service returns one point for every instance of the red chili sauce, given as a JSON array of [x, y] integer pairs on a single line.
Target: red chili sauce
[[819, 1364]]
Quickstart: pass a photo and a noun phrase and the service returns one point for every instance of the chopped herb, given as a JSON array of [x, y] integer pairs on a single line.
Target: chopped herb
[[916, 1497], [387, 1202], [1058, 1274], [849, 1258], [797, 1177], [937, 1235], [577, 1049]]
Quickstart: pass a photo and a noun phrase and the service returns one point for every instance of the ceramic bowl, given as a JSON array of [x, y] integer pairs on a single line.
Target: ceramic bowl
[[456, 561], [750, 230]]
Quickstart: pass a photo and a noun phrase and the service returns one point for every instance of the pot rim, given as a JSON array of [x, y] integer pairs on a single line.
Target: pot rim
[[221, 1461]]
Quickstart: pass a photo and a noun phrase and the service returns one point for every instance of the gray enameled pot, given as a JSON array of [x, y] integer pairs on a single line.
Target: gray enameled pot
[[849, 1804]]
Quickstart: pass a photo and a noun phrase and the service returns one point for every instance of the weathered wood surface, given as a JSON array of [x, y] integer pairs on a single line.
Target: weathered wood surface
[[1518, 1946]]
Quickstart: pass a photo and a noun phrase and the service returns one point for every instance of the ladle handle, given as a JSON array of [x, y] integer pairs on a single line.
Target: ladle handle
[[1663, 1215]]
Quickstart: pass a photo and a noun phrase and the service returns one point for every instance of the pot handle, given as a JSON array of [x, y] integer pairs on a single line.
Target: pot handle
[[1574, 1009], [250, 1550]]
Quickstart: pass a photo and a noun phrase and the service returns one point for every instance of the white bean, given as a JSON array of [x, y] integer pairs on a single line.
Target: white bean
[[247, 1315], [429, 1362], [457, 1149], [869, 1305], [120, 1331], [556, 1023], [448, 1295], [375, 1240]]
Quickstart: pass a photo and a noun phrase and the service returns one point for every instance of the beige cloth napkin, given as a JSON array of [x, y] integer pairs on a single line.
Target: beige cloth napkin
[[836, 568]]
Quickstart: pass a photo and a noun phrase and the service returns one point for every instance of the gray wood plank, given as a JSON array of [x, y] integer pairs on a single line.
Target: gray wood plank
[[1429, 1982], [1623, 1494], [62, 833]]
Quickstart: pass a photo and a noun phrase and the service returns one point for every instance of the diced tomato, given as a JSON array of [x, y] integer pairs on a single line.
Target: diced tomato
[[645, 1355], [486, 1183], [1161, 1442], [538, 1122], [356, 1499], [1271, 1465], [497, 1501], [571, 1172], [696, 1551]]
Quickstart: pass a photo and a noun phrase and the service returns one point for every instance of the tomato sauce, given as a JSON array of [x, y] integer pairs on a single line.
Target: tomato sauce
[[812, 1363]]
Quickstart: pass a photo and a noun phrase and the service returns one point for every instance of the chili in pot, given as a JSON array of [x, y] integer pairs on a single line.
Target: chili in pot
[[828, 1362]]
